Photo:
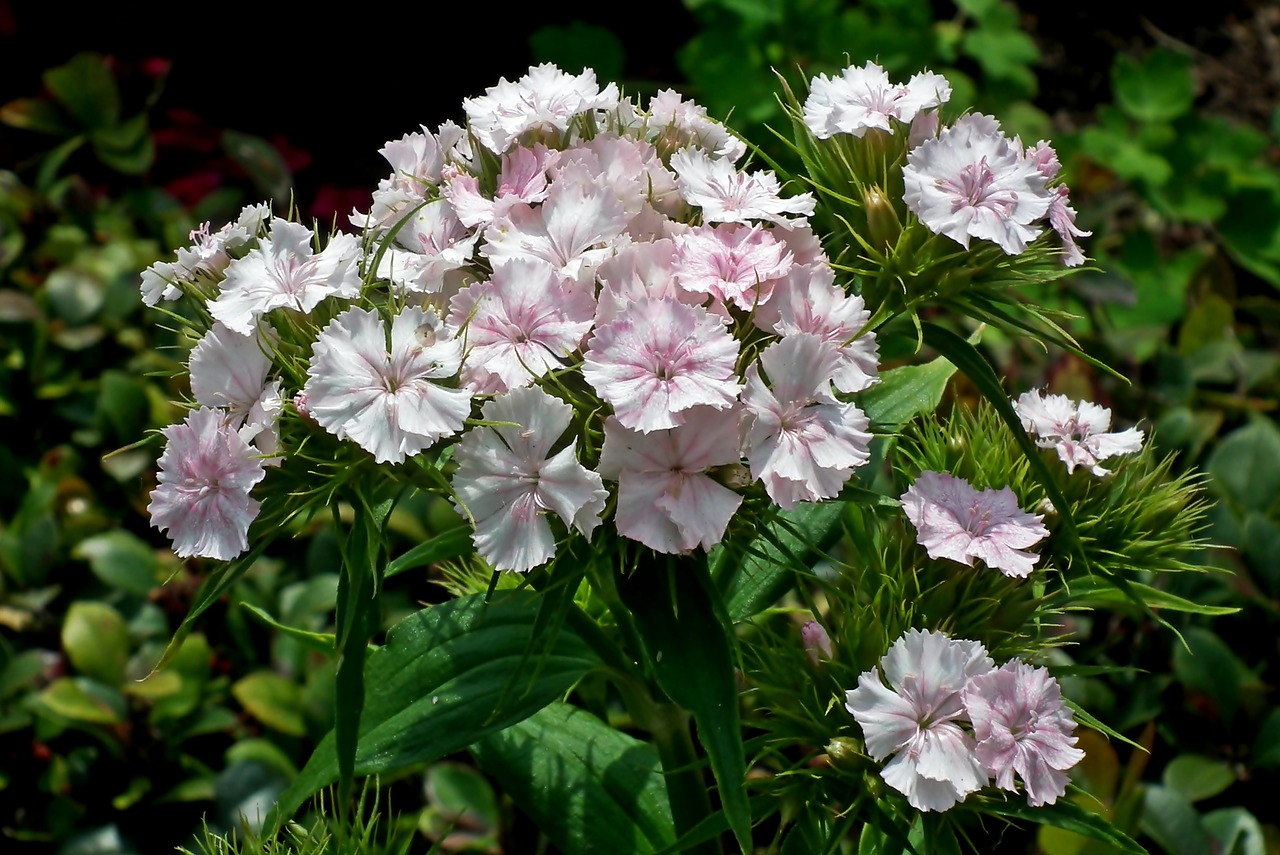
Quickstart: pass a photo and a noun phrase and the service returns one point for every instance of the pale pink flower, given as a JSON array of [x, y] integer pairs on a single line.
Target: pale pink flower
[[432, 244], [519, 324], [972, 181], [507, 484], [1022, 725], [202, 501], [817, 643], [545, 101], [801, 442], [523, 178], [390, 403], [733, 263], [284, 271], [863, 98], [230, 371], [808, 301], [1079, 431], [639, 271], [675, 124], [208, 255], [1062, 219], [726, 195], [1043, 155], [629, 168], [666, 499], [916, 719], [660, 359], [953, 520]]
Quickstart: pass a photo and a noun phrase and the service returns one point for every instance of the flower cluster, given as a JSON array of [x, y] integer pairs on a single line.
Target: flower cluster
[[949, 720], [964, 181], [588, 299]]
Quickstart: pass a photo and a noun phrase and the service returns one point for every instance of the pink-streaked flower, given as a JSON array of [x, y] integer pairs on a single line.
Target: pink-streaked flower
[[660, 359], [674, 124], [389, 403], [519, 324], [284, 271], [666, 499], [629, 168], [230, 371], [432, 244], [973, 181], [1022, 726], [726, 195], [523, 178], [1062, 219], [863, 98], [916, 719], [208, 255], [544, 101], [639, 271], [801, 442], [206, 473], [953, 520], [733, 263], [1081, 432], [507, 483], [809, 301], [817, 643], [419, 162]]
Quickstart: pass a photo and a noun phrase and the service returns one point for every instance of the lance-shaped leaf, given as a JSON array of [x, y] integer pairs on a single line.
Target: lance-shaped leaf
[[446, 677], [588, 787]]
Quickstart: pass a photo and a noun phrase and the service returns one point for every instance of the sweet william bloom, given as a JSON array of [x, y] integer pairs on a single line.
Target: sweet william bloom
[[666, 499], [1079, 431], [733, 263], [390, 403], [230, 371], [508, 484], [916, 719], [863, 98], [1022, 726], [953, 520], [675, 123], [202, 501], [659, 359], [284, 270], [810, 302], [726, 195], [973, 181], [546, 100]]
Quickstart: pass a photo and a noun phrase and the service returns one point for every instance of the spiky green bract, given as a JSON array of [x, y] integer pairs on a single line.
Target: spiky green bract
[[1139, 522], [900, 265]]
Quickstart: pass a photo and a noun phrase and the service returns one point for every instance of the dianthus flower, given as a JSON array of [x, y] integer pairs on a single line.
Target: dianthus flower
[[726, 195], [546, 100], [230, 371], [955, 521], [508, 484], [202, 501], [1021, 725], [1079, 431], [733, 263], [389, 403], [863, 98], [973, 181], [916, 719], [208, 255]]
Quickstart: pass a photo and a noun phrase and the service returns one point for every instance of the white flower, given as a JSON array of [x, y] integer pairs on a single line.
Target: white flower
[[545, 99], [726, 195], [1081, 432], [863, 98]]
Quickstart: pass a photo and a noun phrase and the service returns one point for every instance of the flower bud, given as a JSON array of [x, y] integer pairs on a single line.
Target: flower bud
[[817, 643], [883, 225]]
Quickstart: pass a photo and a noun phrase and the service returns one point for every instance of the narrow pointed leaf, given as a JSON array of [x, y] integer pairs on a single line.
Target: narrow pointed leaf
[[454, 543], [1067, 816]]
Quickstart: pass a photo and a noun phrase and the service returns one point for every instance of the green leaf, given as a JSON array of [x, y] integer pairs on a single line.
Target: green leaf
[[1236, 831], [1156, 88], [1098, 593], [454, 543], [1266, 748], [578, 46], [121, 560], [589, 787], [321, 642], [1171, 821], [85, 700], [1246, 466], [1196, 778], [688, 642], [96, 639], [436, 686], [34, 114], [753, 580], [1065, 815], [906, 392], [87, 88], [1205, 664], [272, 699]]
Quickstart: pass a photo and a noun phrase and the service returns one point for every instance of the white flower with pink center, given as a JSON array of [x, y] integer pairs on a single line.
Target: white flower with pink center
[[801, 442], [1022, 726], [916, 719], [1081, 432], [973, 181], [630, 168], [389, 403], [202, 501], [675, 123], [808, 301], [733, 263], [955, 521], [666, 498], [430, 246], [208, 255], [508, 484], [726, 195], [659, 359], [544, 101], [863, 98], [519, 324], [284, 271], [523, 178], [230, 371]]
